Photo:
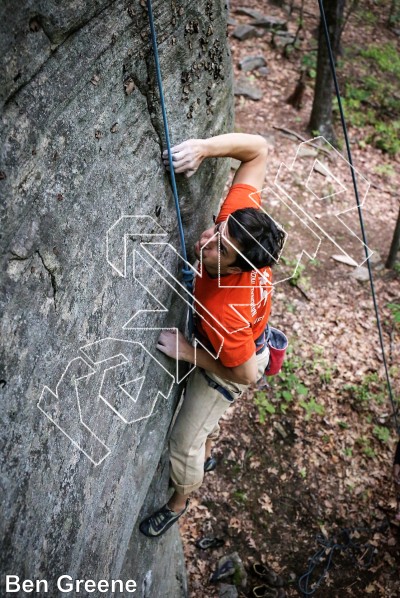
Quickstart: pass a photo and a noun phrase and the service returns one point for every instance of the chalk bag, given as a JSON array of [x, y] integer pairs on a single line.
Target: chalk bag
[[277, 344]]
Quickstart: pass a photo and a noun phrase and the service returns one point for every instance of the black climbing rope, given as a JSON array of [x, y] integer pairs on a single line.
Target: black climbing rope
[[324, 556], [360, 554], [360, 215]]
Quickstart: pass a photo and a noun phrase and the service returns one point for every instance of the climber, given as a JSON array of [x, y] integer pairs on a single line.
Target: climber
[[232, 304]]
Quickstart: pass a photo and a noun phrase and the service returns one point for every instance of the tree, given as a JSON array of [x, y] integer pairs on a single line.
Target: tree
[[395, 245], [321, 114], [394, 13]]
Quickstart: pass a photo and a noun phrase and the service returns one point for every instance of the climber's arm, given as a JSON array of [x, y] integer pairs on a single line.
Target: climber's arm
[[251, 150]]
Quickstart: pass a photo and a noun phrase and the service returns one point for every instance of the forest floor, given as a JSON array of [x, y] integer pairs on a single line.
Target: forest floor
[[309, 453]]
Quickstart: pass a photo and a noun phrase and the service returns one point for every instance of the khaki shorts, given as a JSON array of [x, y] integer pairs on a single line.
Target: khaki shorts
[[197, 420]]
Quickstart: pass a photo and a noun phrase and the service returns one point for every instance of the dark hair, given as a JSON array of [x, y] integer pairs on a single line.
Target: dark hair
[[260, 238]]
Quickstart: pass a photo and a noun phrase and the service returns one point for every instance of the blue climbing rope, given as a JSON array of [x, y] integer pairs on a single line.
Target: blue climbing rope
[[187, 273]]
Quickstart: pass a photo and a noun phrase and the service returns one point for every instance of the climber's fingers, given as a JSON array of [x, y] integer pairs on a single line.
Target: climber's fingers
[[176, 156], [167, 343], [176, 159], [172, 343], [186, 156], [187, 169], [180, 147], [182, 164]]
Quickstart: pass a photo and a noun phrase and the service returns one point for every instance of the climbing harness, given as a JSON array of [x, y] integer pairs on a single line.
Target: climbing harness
[[187, 272], [345, 542]]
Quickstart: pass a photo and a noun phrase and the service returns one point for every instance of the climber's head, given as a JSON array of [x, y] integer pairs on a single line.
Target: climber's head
[[248, 239]]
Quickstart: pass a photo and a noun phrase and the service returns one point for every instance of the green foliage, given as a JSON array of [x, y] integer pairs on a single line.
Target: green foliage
[[395, 309], [386, 137], [366, 447], [311, 406], [318, 350], [394, 371], [386, 57], [369, 451], [288, 387], [309, 64], [303, 472], [382, 433], [296, 276], [386, 170], [240, 496], [373, 101], [367, 17], [394, 17], [265, 407], [326, 375], [237, 576], [372, 388], [236, 469]]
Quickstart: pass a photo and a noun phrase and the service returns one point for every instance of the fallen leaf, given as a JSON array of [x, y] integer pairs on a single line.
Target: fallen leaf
[[266, 503], [371, 588]]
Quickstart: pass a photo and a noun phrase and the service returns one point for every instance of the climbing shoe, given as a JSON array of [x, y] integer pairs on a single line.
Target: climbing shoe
[[225, 570], [210, 464], [209, 542], [271, 578], [268, 592], [160, 521]]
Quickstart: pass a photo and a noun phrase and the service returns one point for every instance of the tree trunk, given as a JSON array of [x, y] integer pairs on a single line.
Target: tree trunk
[[321, 114], [395, 246], [394, 13]]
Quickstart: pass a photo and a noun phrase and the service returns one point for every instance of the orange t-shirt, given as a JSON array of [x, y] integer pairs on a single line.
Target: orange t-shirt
[[232, 311]]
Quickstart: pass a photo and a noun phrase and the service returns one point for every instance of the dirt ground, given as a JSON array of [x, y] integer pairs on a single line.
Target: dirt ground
[[321, 462]]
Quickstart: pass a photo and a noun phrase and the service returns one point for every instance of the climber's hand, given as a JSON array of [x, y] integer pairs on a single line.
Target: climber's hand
[[186, 157], [172, 343]]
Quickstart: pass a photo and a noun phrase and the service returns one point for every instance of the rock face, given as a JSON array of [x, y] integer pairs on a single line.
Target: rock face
[[86, 398]]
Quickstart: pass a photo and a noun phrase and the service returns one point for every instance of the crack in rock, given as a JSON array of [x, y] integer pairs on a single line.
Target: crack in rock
[[52, 278]]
